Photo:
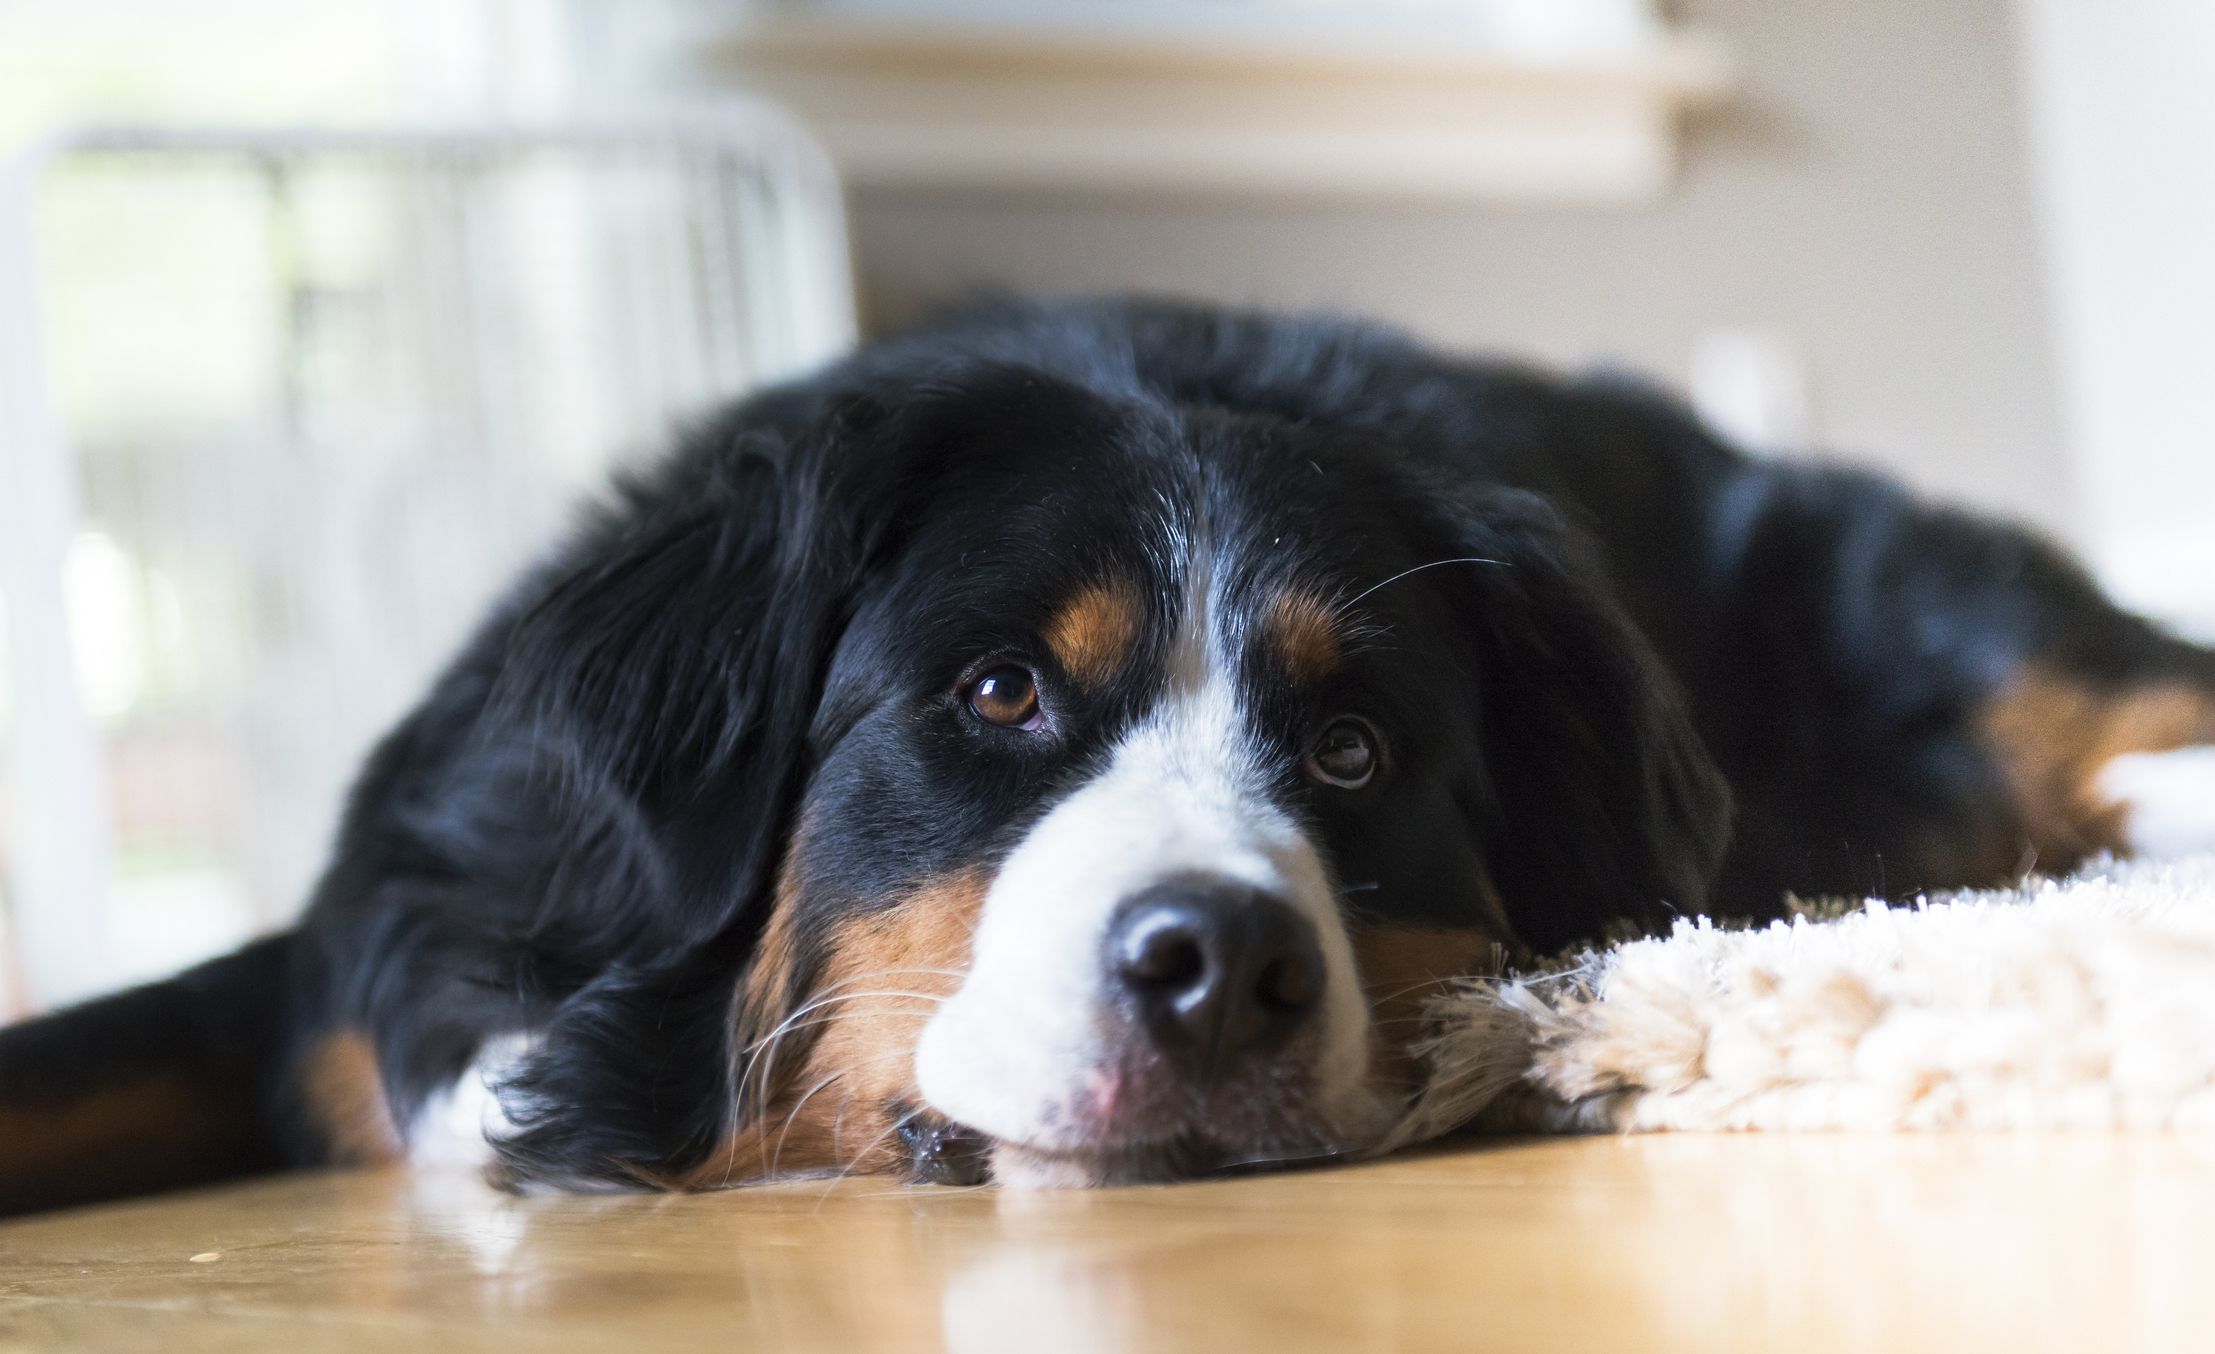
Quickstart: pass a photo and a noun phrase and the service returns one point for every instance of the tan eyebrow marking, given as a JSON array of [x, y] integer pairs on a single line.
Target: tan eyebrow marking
[[1093, 633], [1305, 629]]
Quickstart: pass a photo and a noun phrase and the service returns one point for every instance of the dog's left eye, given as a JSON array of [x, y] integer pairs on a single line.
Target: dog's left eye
[[1346, 753], [1007, 696]]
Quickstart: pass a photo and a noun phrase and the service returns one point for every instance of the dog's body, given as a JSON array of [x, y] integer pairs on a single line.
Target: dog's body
[[1069, 741]]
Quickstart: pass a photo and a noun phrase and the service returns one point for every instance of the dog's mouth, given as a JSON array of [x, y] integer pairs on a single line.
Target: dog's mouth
[[942, 1152]]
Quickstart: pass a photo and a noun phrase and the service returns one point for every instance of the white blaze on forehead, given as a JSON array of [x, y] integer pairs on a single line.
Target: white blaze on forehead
[[1015, 1051]]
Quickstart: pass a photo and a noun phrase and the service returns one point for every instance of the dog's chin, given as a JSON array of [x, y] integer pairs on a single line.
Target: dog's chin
[[1019, 1166], [1184, 1155], [1193, 1157], [942, 1152]]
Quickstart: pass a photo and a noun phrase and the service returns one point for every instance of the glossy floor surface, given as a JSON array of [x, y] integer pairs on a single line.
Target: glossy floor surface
[[1652, 1244]]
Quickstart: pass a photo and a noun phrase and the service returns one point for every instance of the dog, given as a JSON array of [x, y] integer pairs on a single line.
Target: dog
[[1067, 743]]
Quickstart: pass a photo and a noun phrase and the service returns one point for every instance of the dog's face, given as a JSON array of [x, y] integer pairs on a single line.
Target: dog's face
[[1157, 771]]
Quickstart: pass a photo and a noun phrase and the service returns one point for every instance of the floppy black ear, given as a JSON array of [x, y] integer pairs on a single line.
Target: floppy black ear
[[662, 680], [642, 751], [1607, 805], [672, 658], [675, 656]]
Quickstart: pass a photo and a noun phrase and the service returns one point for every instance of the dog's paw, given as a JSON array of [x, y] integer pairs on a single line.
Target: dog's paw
[[2168, 800]]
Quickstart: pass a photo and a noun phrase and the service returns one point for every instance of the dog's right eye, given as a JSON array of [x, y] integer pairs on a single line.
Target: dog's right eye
[[1007, 696]]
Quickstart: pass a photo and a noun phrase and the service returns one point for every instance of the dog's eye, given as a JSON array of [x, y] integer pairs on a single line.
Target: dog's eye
[[1345, 754], [1007, 696]]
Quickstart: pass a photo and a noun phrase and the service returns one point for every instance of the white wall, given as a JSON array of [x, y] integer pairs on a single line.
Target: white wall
[[1864, 200], [2123, 120]]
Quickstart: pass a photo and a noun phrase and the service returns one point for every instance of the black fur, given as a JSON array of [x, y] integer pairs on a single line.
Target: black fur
[[164, 1085], [580, 829]]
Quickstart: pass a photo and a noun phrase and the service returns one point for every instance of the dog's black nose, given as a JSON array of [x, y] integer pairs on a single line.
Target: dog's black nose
[[1216, 969]]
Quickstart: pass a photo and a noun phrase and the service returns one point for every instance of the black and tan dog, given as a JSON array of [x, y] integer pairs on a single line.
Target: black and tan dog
[[1065, 744]]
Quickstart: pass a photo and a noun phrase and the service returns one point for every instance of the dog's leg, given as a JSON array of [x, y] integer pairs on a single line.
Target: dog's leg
[[154, 1088], [2168, 799], [2120, 761], [1909, 698]]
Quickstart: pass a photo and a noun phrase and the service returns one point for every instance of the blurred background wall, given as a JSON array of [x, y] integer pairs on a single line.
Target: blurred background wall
[[1861, 199], [2123, 131], [1939, 229], [1960, 240]]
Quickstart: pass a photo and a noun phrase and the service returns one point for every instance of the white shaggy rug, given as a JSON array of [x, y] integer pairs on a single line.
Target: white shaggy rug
[[2086, 1002]]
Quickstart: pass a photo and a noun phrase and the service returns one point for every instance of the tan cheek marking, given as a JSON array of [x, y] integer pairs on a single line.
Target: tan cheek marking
[[1402, 968], [2053, 735], [1305, 630], [767, 989], [1094, 632], [344, 1095], [830, 1109]]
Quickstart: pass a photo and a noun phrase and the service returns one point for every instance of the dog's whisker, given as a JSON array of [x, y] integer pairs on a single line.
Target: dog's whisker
[[894, 972], [822, 1002], [852, 1166], [776, 1158], [762, 1053], [1327, 1153], [1434, 564], [1394, 994], [757, 1074], [824, 1021], [784, 1130]]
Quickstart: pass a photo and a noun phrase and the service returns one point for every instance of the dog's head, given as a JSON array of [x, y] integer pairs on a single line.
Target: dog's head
[[1080, 785]]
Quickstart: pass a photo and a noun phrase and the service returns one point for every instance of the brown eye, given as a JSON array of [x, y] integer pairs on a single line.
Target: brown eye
[[1345, 755], [1007, 697]]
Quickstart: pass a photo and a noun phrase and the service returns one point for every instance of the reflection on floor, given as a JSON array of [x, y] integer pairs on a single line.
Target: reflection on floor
[[1688, 1243]]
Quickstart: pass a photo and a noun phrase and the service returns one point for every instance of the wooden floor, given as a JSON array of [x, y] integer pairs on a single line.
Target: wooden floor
[[1650, 1244]]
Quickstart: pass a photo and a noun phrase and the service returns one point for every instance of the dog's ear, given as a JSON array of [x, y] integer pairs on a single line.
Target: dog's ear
[[671, 659], [663, 680], [1605, 803], [676, 656], [640, 757]]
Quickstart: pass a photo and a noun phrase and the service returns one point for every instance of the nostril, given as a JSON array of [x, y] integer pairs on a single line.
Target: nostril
[[1294, 981], [1161, 954]]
